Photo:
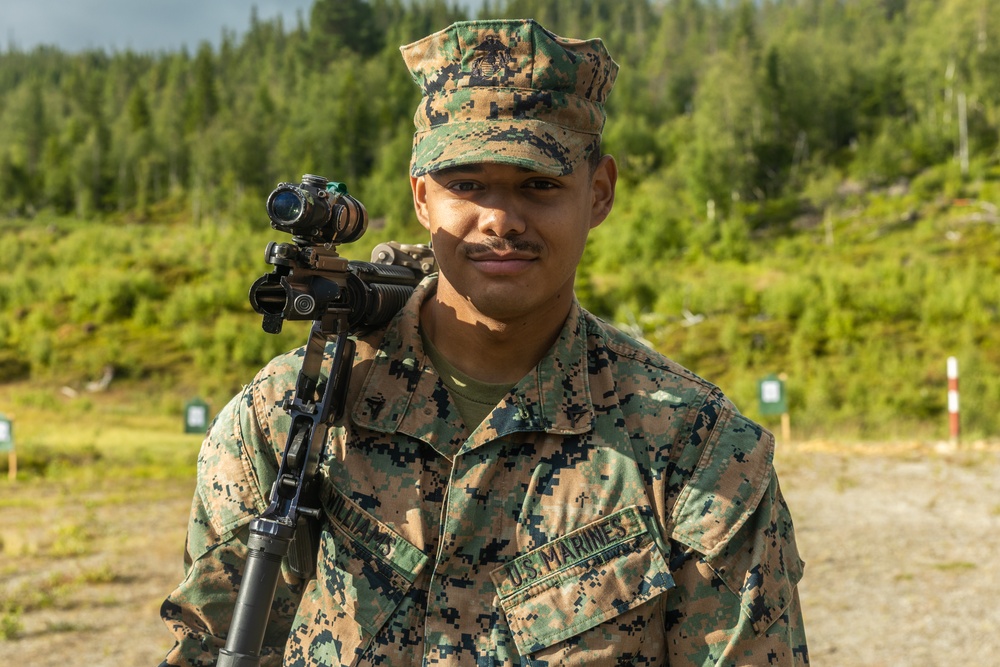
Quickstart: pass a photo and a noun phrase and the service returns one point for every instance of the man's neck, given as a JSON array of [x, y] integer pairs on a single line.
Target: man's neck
[[487, 349]]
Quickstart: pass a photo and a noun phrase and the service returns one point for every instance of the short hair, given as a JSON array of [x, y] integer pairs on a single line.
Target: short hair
[[594, 157]]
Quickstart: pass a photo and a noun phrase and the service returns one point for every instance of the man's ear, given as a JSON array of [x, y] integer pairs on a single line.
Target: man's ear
[[603, 182], [418, 185]]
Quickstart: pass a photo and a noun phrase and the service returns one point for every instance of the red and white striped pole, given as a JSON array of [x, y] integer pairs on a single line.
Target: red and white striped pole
[[953, 421]]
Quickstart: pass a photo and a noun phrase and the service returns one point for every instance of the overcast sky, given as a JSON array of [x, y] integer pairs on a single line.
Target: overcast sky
[[139, 25]]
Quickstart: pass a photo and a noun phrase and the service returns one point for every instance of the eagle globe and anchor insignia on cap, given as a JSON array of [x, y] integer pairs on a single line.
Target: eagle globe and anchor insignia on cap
[[496, 56]]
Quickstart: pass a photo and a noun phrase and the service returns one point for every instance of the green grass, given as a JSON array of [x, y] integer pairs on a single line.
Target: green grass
[[955, 566], [11, 626], [115, 439], [861, 327], [52, 591]]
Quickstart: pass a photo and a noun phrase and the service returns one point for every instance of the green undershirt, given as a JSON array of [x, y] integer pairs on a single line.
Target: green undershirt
[[475, 400]]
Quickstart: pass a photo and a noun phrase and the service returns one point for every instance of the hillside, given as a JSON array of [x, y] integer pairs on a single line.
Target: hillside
[[859, 305], [807, 189]]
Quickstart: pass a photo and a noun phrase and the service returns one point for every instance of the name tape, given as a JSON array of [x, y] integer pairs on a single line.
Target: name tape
[[568, 551]]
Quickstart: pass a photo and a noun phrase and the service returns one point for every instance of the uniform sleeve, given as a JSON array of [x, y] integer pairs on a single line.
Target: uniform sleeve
[[235, 463], [733, 553]]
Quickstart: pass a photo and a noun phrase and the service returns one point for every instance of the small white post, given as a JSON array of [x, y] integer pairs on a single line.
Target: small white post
[[953, 420]]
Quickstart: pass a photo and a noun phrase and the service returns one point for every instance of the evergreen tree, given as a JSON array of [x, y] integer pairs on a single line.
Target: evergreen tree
[[336, 25]]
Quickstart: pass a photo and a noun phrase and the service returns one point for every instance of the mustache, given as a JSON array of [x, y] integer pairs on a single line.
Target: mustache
[[496, 244]]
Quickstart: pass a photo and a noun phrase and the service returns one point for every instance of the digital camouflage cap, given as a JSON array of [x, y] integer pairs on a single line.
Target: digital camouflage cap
[[510, 92]]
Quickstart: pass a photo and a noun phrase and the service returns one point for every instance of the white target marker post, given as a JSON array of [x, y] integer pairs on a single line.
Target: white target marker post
[[7, 445], [953, 420]]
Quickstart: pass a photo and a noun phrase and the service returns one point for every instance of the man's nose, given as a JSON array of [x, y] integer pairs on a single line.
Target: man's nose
[[501, 217]]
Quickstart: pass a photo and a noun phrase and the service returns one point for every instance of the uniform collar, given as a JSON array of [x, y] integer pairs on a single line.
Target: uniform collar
[[403, 393]]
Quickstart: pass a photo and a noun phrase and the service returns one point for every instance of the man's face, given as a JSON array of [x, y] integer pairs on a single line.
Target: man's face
[[508, 240]]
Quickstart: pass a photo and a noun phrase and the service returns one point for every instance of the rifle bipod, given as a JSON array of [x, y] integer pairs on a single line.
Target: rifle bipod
[[293, 499]]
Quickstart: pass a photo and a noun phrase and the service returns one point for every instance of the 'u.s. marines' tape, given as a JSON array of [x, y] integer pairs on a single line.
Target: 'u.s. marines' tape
[[575, 548]]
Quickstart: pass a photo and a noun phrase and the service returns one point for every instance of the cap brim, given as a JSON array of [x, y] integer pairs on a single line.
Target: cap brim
[[528, 143]]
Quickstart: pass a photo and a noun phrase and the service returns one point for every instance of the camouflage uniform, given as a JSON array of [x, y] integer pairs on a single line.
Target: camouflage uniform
[[612, 509]]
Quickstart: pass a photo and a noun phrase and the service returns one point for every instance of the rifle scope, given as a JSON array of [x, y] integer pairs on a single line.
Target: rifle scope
[[317, 211]]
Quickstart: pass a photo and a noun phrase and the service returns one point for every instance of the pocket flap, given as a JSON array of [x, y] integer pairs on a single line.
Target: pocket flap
[[366, 566], [580, 580]]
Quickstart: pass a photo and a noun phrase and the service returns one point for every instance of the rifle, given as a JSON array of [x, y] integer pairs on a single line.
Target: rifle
[[311, 281]]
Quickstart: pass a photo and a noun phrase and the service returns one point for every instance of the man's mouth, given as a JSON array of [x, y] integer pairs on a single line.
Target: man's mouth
[[503, 257], [502, 250]]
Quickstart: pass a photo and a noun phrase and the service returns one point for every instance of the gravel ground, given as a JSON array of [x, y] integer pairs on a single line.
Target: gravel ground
[[91, 570], [900, 544], [901, 553]]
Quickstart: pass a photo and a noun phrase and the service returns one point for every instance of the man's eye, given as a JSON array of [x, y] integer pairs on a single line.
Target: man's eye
[[464, 186], [542, 185]]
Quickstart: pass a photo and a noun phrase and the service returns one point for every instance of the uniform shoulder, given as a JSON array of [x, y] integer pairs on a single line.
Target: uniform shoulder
[[278, 377], [718, 462], [636, 358]]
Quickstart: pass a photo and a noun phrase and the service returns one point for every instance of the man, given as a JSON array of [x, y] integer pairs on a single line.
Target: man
[[515, 482]]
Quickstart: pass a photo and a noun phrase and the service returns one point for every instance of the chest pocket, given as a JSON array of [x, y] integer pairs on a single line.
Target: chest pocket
[[608, 570], [363, 572]]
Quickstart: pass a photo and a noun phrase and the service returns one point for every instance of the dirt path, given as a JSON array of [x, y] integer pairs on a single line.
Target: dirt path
[[901, 555], [91, 570], [901, 549]]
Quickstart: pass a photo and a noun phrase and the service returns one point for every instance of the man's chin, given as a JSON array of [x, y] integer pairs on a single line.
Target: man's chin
[[502, 308]]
